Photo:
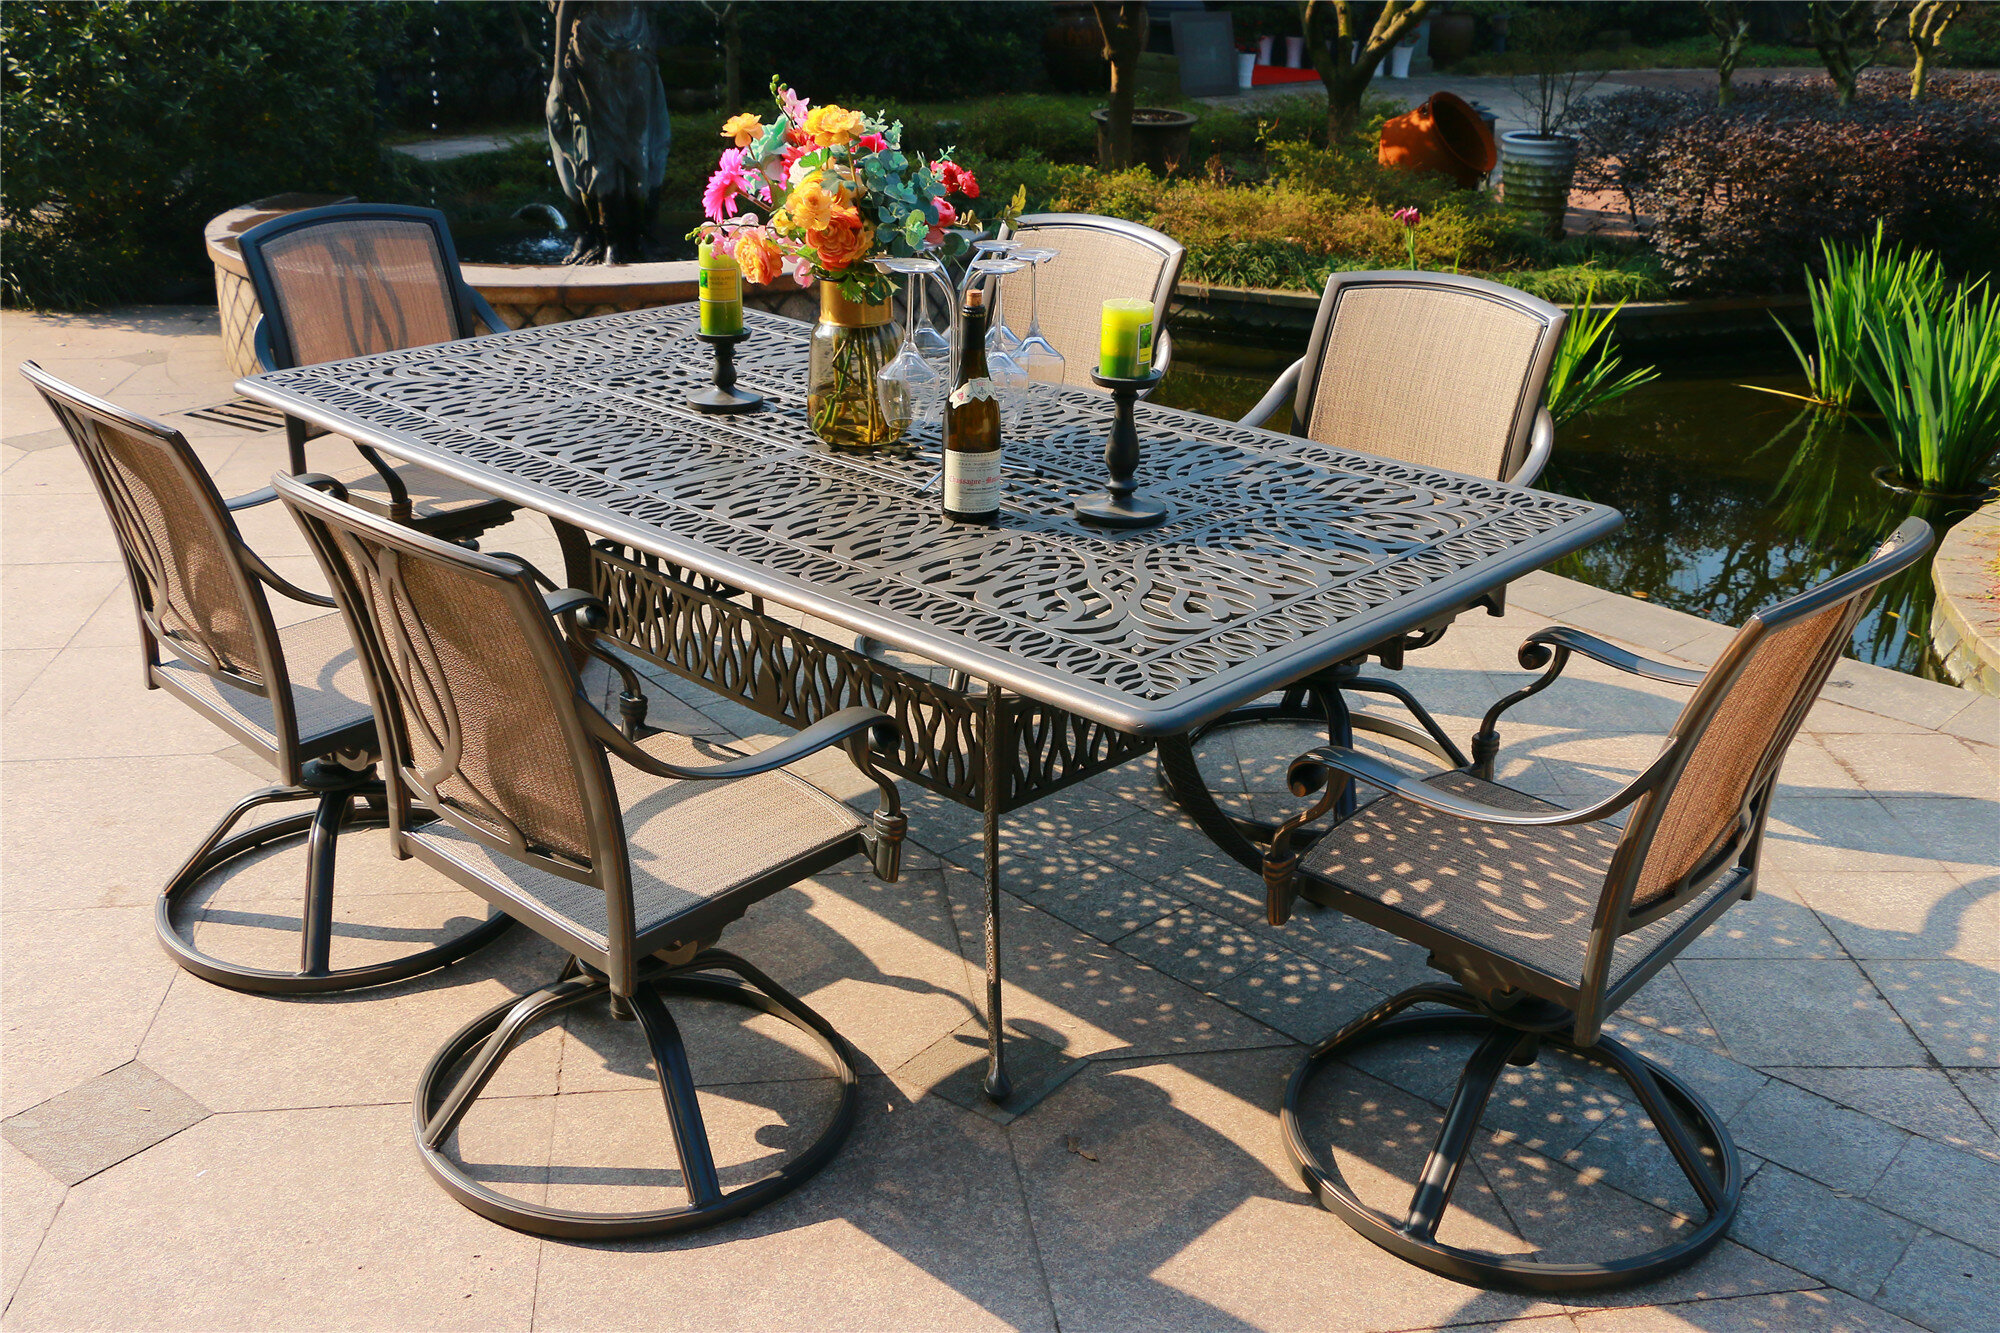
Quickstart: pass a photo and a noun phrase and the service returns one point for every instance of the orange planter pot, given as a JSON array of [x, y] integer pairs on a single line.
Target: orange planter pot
[[1445, 135]]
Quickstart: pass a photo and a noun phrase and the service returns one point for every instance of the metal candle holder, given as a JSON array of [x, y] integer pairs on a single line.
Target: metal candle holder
[[1121, 506], [723, 396]]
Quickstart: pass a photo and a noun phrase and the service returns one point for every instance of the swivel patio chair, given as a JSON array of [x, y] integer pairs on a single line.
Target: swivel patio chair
[[1431, 369], [292, 696], [1547, 920], [356, 279], [1098, 258], [487, 730]]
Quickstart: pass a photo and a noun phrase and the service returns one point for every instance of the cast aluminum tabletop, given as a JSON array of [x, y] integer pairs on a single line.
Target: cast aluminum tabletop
[[1281, 556]]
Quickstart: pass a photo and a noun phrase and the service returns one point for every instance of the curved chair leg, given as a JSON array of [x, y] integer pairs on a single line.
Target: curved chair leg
[[1413, 1236], [488, 1038], [322, 827]]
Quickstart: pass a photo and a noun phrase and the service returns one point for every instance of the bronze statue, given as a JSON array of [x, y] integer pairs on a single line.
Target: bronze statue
[[608, 126]]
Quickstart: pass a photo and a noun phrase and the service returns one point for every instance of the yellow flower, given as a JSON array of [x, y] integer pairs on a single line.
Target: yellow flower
[[844, 239], [743, 128], [760, 259], [830, 126], [809, 205]]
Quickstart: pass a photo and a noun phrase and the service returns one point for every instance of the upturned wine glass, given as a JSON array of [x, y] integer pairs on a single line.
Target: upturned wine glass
[[910, 388], [1045, 366]]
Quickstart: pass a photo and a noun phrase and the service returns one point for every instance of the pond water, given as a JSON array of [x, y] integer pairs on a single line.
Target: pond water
[[1733, 499]]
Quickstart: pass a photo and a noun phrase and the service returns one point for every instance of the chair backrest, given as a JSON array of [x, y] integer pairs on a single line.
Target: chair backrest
[[477, 705], [355, 279], [1430, 368], [1707, 811], [1097, 259], [193, 585]]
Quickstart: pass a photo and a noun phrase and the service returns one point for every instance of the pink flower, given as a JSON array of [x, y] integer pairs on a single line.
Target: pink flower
[[724, 185], [1409, 217], [795, 107], [871, 143], [802, 271]]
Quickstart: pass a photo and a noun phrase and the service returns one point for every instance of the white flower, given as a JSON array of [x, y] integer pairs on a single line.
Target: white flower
[[971, 389], [799, 172]]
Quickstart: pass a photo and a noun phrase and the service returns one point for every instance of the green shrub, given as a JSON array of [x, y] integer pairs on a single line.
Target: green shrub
[[124, 127]]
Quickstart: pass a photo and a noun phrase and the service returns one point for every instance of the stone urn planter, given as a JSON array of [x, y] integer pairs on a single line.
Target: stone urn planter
[[1536, 171], [1160, 137]]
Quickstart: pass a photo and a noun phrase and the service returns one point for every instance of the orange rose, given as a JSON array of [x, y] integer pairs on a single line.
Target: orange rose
[[830, 126], [843, 240], [759, 259], [809, 205], [744, 129]]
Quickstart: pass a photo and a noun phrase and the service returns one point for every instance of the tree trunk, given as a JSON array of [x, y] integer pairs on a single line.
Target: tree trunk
[[1330, 29], [1731, 27], [1841, 30], [1123, 27], [1928, 19]]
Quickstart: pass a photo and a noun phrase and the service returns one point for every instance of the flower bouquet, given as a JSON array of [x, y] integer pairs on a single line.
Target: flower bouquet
[[818, 193]]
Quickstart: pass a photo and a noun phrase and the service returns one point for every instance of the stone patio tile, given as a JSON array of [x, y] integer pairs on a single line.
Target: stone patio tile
[[1047, 833], [1774, 924], [109, 832], [1798, 1012], [57, 470], [45, 605], [89, 704], [54, 530], [1963, 835], [1922, 764], [1953, 1007], [1833, 1236], [1924, 1101], [1549, 594], [1837, 716], [1945, 1286], [1925, 703], [1301, 998], [33, 1196], [1655, 628], [1901, 914], [1982, 1088], [1200, 948], [1162, 1199], [1978, 721], [1812, 773], [1085, 997], [1818, 1311], [288, 1220], [246, 1052], [78, 990], [101, 1122], [1726, 1085], [1666, 1007], [1947, 1191], [1851, 837], [1841, 1149], [917, 1223], [18, 669], [1102, 901]]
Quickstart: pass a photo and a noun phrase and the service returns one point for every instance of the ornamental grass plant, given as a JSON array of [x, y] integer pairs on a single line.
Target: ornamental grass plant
[[1859, 279], [1584, 373], [1933, 370]]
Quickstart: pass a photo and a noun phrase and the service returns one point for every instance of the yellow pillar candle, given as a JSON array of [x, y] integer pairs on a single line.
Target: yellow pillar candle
[[1125, 340], [721, 292]]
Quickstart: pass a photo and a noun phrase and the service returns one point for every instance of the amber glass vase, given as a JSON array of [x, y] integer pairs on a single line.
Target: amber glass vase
[[850, 345]]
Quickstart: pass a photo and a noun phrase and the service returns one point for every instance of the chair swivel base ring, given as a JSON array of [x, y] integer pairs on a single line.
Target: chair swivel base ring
[[1417, 1243], [439, 1104], [320, 828]]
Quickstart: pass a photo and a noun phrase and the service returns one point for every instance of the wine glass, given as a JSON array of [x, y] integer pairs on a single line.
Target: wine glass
[[1003, 365], [1046, 367], [909, 387], [988, 254]]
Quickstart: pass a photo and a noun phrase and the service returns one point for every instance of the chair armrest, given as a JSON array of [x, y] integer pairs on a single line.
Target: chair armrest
[[1541, 443], [260, 342], [481, 311], [1274, 397], [1535, 654], [251, 499]]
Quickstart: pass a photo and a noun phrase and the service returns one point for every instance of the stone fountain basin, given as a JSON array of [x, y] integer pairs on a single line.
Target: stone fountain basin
[[521, 294]]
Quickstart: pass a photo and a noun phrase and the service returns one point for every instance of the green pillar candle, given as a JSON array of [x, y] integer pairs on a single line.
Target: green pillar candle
[[1125, 339], [721, 292]]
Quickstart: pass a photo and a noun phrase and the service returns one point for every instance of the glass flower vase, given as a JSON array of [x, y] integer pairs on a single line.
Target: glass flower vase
[[850, 345]]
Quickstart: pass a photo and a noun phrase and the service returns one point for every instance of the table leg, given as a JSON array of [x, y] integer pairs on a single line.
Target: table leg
[[997, 1084]]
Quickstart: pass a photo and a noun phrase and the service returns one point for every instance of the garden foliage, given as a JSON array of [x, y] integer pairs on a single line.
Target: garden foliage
[[1739, 198], [125, 127]]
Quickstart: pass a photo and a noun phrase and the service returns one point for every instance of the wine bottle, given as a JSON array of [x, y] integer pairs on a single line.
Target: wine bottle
[[972, 425]]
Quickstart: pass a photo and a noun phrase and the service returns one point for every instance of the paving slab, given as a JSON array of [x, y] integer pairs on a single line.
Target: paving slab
[[1922, 1100], [101, 1122], [33, 1196], [1841, 1149], [1818, 1311], [1901, 914], [1945, 1286], [1835, 1237], [1784, 1012], [1946, 1190], [1953, 1007]]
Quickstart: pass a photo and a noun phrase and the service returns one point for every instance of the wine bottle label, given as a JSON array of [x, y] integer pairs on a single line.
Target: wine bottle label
[[971, 481]]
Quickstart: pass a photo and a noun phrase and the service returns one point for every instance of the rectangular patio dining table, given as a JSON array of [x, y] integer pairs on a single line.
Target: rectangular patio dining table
[[1084, 648]]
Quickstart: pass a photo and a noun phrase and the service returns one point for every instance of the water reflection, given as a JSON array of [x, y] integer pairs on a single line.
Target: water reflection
[[1733, 499]]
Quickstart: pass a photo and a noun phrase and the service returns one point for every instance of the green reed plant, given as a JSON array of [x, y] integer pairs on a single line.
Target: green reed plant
[[1858, 279], [1933, 369], [1584, 374]]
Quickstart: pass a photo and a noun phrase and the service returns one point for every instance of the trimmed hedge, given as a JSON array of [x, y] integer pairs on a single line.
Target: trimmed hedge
[[1739, 198]]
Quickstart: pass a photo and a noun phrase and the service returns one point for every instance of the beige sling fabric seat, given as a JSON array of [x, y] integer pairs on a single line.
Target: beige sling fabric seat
[[1546, 920]]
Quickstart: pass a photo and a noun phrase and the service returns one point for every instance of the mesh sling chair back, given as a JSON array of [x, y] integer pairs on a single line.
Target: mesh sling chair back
[[1547, 920], [1097, 258], [352, 280], [487, 731], [293, 696], [1438, 371]]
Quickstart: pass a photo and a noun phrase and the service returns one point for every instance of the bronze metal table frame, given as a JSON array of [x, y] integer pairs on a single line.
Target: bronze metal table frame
[[1080, 649]]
